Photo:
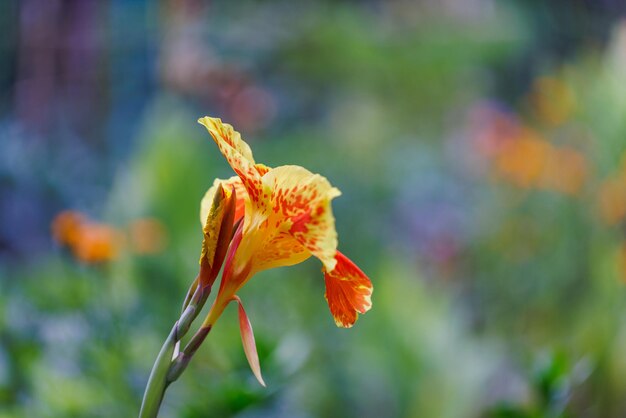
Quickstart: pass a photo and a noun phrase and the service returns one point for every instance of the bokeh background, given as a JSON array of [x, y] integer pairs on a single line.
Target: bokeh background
[[479, 145]]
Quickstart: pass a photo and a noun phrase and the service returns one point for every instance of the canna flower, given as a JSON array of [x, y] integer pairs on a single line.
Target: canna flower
[[259, 219], [281, 217]]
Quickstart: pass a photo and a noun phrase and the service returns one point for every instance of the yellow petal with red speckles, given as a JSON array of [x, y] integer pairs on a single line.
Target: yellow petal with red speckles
[[300, 208], [282, 249], [207, 200], [262, 168], [348, 291], [287, 218], [239, 156], [225, 135]]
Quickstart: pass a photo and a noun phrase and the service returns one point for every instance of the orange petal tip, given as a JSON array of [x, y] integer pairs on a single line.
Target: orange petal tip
[[348, 291]]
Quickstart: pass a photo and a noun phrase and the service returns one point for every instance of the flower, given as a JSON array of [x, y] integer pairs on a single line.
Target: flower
[[282, 216]]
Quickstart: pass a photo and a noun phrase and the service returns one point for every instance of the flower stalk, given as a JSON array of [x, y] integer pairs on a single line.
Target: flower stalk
[[171, 361], [158, 380]]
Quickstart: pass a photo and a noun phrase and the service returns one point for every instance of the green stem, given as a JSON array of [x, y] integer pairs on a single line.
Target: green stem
[[158, 381], [180, 363], [155, 389]]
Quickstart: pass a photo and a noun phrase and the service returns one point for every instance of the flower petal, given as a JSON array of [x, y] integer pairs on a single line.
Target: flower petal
[[348, 291], [217, 233], [239, 156], [300, 203], [262, 168], [279, 251], [227, 137], [207, 200], [249, 345]]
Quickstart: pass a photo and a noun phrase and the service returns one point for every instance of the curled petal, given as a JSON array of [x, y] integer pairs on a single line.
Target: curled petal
[[348, 291], [227, 137], [239, 156], [217, 233], [220, 201], [249, 345], [207, 200], [300, 203]]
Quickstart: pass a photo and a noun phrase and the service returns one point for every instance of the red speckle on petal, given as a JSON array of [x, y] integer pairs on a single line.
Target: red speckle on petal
[[300, 223]]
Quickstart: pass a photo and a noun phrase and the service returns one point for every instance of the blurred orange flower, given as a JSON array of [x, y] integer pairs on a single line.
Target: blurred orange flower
[[98, 243], [66, 227], [521, 156], [521, 160], [531, 162], [93, 242], [89, 242]]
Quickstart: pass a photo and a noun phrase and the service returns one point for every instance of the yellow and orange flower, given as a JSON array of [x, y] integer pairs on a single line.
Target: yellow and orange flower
[[282, 216]]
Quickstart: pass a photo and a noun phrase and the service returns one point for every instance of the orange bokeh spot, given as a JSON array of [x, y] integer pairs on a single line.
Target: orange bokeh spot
[[522, 160], [535, 163], [89, 242], [520, 156], [147, 236], [66, 227], [93, 242], [97, 243]]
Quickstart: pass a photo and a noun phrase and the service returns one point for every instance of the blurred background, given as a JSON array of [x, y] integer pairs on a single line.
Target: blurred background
[[480, 147]]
